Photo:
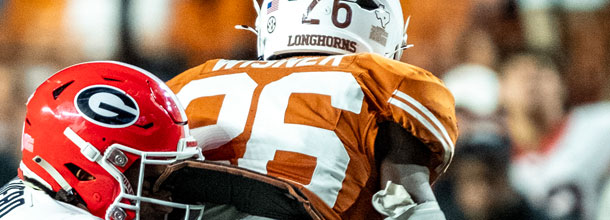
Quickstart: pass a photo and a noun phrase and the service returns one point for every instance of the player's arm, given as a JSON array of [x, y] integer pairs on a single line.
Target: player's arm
[[403, 161]]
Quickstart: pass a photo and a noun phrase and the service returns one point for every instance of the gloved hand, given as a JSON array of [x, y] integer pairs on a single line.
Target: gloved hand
[[396, 203]]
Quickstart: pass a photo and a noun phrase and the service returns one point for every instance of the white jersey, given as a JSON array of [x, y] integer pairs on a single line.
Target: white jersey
[[19, 202], [568, 178]]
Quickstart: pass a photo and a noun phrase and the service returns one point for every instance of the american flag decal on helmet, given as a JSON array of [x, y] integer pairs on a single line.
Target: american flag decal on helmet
[[273, 6]]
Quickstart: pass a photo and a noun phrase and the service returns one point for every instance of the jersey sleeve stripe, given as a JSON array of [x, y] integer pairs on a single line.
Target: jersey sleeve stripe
[[428, 119], [427, 112]]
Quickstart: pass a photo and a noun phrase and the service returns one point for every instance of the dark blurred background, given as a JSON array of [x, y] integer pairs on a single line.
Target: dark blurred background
[[530, 78]]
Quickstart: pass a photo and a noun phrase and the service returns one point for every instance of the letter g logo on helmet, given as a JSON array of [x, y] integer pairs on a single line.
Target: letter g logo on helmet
[[107, 106]]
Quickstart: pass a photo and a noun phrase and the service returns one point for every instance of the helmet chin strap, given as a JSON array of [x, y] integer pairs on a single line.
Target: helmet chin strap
[[257, 8], [54, 173], [88, 150], [405, 34], [247, 28], [404, 44]]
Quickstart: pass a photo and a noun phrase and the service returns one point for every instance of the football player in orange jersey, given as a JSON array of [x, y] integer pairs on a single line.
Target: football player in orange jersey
[[328, 106]]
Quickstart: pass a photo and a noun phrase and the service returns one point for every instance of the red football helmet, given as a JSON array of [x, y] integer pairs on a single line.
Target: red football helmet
[[100, 118]]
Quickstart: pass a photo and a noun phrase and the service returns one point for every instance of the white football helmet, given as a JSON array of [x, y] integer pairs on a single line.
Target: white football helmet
[[330, 27]]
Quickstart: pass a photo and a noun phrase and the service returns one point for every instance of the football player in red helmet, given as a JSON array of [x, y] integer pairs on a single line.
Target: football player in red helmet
[[94, 135], [329, 107]]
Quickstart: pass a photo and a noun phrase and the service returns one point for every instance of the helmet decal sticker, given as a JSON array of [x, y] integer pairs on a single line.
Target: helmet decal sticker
[[271, 23], [273, 6], [107, 106], [383, 16], [379, 34], [27, 142]]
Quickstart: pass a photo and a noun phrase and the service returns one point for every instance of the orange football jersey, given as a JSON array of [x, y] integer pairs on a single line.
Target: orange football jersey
[[313, 120]]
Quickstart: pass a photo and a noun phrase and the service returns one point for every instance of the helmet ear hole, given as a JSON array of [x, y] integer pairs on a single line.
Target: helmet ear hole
[[79, 173]]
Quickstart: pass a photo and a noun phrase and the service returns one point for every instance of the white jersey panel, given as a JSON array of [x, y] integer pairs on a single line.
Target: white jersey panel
[[18, 201]]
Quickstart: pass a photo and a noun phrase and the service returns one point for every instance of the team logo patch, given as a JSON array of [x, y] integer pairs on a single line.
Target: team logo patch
[[383, 16], [107, 106], [271, 23]]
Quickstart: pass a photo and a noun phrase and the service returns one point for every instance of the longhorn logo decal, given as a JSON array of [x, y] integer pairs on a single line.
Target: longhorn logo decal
[[107, 106], [383, 16]]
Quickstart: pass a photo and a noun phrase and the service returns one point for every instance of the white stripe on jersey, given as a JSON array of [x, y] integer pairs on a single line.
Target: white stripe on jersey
[[429, 121]]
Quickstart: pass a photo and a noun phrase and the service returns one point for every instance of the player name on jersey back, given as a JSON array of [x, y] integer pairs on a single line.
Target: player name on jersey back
[[289, 63]]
